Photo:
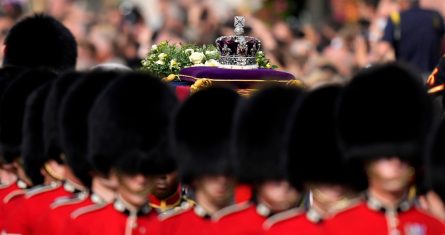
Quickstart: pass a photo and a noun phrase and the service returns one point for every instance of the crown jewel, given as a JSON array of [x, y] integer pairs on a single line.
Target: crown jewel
[[238, 51]]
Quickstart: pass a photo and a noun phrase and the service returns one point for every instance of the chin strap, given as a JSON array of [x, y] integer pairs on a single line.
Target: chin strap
[[52, 172]]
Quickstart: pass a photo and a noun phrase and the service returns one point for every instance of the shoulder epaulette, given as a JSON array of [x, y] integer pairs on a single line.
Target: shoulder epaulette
[[187, 203], [231, 209], [41, 189], [69, 200], [285, 215], [85, 210], [13, 194], [174, 213]]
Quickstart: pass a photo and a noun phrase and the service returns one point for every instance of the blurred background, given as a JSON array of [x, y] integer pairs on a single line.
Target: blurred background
[[311, 39]]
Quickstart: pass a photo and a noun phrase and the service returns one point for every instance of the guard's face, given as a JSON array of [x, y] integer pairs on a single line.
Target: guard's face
[[164, 185], [390, 174], [278, 195], [109, 182], [134, 188], [7, 174], [218, 188], [19, 169], [329, 196]]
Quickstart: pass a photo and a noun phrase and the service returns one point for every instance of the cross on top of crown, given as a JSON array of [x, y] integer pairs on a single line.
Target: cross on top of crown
[[239, 24]]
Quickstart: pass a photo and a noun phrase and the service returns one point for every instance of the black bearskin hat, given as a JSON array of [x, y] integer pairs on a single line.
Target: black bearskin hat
[[32, 141], [13, 108], [314, 151], [51, 132], [201, 133], [73, 116], [259, 137], [40, 41], [384, 111], [128, 125]]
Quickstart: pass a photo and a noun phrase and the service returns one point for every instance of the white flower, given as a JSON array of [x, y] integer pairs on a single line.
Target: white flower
[[189, 51], [161, 62], [173, 64], [154, 47], [260, 53], [211, 53], [162, 56], [212, 63], [196, 57]]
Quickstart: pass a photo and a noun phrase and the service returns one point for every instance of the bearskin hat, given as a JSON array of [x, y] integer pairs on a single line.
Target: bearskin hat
[[259, 137], [128, 125], [13, 108], [51, 132], [384, 111], [201, 133], [32, 141], [314, 151], [73, 116], [40, 41]]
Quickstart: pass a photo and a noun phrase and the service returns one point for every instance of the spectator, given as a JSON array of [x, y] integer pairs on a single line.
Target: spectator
[[415, 34]]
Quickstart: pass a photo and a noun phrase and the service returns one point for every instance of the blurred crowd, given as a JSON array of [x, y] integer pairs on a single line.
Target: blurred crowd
[[110, 150], [292, 37]]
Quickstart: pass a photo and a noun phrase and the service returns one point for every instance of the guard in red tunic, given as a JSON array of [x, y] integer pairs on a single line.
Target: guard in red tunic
[[30, 151], [73, 139], [48, 159], [8, 179], [128, 128], [383, 117], [167, 193], [322, 168], [259, 146], [201, 135], [18, 146]]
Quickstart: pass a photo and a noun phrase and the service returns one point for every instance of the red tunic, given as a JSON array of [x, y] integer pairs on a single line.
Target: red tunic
[[6, 189], [112, 219], [294, 221], [58, 216], [243, 193], [188, 221], [243, 219], [366, 218], [28, 214], [7, 192], [11, 202]]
